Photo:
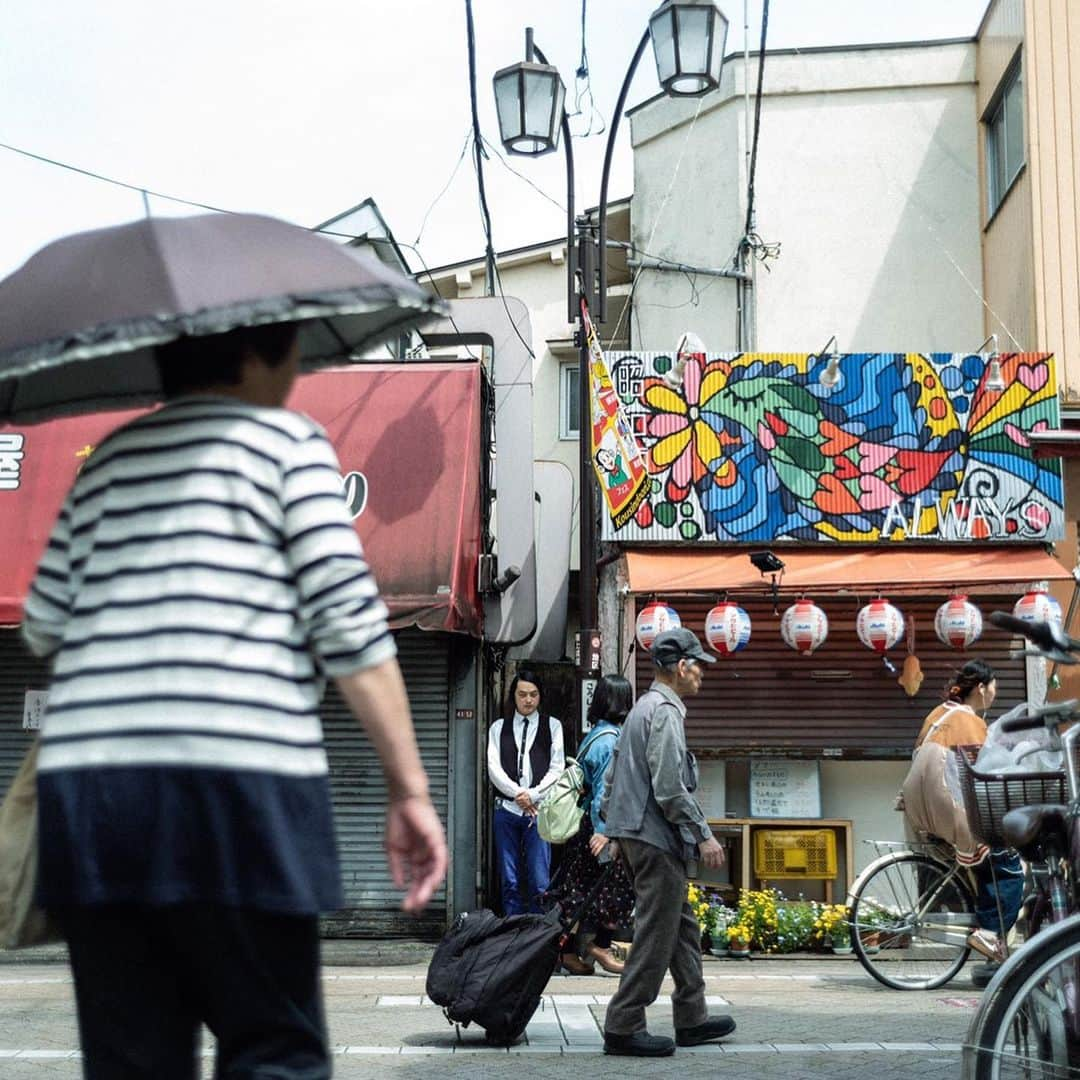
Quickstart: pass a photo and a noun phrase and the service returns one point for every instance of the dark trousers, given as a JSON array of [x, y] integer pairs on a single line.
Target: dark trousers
[[666, 937], [999, 878], [524, 860], [146, 979]]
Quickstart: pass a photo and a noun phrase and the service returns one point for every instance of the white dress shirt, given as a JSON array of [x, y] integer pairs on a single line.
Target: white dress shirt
[[527, 725]]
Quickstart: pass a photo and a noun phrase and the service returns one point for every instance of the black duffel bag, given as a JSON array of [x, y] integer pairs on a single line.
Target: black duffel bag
[[492, 972]]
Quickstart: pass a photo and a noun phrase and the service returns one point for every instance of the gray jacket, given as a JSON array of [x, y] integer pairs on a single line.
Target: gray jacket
[[648, 789]]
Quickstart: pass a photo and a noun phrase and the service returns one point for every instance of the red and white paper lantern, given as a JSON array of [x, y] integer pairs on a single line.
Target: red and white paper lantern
[[727, 629], [880, 625], [958, 622], [654, 619], [1038, 606], [804, 627]]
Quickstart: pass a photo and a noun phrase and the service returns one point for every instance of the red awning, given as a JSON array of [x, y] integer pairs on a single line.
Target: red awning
[[408, 438], [842, 569]]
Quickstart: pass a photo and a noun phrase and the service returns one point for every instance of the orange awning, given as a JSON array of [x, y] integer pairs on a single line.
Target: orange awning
[[842, 569]]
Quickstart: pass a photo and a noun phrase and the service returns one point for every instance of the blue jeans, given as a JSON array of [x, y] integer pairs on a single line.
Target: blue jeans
[[524, 859], [1009, 890]]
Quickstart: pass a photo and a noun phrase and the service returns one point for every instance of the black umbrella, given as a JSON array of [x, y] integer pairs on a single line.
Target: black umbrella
[[80, 319]]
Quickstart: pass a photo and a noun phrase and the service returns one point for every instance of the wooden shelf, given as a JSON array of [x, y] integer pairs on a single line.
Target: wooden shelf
[[741, 831]]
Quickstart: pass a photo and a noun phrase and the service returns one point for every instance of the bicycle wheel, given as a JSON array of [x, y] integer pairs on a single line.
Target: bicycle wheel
[[921, 911], [1028, 1024]]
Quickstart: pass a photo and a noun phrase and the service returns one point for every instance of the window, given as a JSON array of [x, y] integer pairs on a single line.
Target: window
[[1004, 138], [569, 411]]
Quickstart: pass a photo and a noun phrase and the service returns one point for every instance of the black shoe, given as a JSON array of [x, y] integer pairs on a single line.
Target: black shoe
[[640, 1044], [981, 974], [716, 1027]]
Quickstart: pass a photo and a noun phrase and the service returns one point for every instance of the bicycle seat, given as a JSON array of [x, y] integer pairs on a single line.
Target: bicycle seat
[[1028, 827]]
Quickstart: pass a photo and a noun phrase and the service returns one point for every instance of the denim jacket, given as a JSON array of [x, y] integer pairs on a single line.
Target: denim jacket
[[599, 745]]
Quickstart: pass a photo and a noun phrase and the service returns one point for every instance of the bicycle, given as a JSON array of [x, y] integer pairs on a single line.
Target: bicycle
[[911, 913], [912, 910], [1028, 1024]]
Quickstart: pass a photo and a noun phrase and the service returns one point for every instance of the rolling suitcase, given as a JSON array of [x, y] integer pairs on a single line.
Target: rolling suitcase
[[492, 971]]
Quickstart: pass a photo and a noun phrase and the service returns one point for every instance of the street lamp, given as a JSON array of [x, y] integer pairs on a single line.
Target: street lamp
[[529, 101], [688, 39]]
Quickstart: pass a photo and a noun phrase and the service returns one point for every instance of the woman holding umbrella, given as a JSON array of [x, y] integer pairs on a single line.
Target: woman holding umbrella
[[202, 578]]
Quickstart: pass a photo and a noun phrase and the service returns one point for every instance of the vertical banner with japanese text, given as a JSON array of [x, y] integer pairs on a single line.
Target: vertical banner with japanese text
[[616, 458]]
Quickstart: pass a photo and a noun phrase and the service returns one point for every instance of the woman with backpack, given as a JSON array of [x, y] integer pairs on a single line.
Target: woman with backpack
[[582, 867]]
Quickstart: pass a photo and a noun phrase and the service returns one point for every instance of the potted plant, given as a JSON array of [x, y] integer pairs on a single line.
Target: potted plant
[[832, 928], [739, 938], [875, 929], [840, 938], [758, 913], [794, 927], [712, 919]]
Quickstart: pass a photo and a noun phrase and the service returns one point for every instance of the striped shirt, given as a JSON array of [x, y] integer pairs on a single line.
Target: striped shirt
[[202, 580]]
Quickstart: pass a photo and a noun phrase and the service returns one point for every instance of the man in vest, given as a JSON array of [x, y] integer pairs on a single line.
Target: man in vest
[[657, 827], [525, 755]]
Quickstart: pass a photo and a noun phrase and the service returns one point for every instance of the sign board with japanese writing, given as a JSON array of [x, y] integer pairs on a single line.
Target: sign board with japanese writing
[[785, 789], [588, 688], [34, 705]]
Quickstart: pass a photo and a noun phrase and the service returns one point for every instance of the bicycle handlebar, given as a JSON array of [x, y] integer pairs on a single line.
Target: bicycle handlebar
[[1051, 641], [1049, 716]]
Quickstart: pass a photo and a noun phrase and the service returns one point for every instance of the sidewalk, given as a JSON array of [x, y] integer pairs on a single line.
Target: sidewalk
[[797, 1018]]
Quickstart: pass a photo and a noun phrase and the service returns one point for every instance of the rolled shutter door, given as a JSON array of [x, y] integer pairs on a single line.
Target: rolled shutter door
[[19, 672], [841, 698], [372, 903]]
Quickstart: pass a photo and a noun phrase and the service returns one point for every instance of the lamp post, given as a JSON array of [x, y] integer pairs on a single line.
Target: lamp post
[[688, 39]]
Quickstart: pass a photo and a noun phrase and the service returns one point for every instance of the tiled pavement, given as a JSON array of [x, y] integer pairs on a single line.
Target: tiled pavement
[[796, 1019]]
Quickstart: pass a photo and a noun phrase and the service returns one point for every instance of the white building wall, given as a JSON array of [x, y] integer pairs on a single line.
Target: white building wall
[[538, 279], [866, 176]]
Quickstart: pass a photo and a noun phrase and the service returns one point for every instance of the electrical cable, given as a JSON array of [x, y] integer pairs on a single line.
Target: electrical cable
[[583, 88], [438, 292], [446, 186], [478, 152], [656, 220], [757, 121], [140, 188], [521, 176]]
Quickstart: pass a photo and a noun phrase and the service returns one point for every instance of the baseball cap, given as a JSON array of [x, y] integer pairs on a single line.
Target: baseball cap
[[671, 646]]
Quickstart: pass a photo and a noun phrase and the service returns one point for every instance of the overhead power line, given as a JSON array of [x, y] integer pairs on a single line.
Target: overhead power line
[[140, 188]]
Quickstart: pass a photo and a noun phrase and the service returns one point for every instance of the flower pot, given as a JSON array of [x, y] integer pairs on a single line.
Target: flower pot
[[738, 949], [842, 950], [871, 942]]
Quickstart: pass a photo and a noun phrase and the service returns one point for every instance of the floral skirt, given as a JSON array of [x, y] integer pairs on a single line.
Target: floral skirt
[[579, 872]]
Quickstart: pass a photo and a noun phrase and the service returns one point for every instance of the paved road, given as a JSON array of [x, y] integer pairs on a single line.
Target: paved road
[[805, 1019]]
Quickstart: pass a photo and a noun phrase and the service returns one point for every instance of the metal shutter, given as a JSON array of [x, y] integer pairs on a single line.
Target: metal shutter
[[838, 702], [19, 672], [372, 903]]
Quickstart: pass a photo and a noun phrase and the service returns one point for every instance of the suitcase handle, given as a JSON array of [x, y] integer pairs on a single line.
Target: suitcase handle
[[569, 924]]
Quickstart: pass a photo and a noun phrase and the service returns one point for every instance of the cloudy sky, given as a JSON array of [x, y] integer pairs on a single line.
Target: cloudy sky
[[304, 110]]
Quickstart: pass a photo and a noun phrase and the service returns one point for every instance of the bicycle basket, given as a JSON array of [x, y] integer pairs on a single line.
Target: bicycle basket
[[988, 797]]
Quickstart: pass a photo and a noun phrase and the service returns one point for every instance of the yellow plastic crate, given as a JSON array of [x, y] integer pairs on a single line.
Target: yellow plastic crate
[[794, 853]]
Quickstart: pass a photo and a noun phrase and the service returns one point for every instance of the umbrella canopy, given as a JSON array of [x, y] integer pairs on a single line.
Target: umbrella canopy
[[80, 319]]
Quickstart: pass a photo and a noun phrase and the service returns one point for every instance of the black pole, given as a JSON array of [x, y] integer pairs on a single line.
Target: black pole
[[616, 116], [571, 285], [582, 253], [586, 262]]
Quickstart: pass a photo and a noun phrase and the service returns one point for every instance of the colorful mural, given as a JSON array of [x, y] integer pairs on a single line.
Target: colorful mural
[[913, 446]]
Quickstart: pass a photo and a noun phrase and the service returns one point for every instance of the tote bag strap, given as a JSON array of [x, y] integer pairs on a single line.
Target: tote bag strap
[[953, 706]]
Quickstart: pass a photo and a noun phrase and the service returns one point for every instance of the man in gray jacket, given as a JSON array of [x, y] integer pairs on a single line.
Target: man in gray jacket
[[658, 826]]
